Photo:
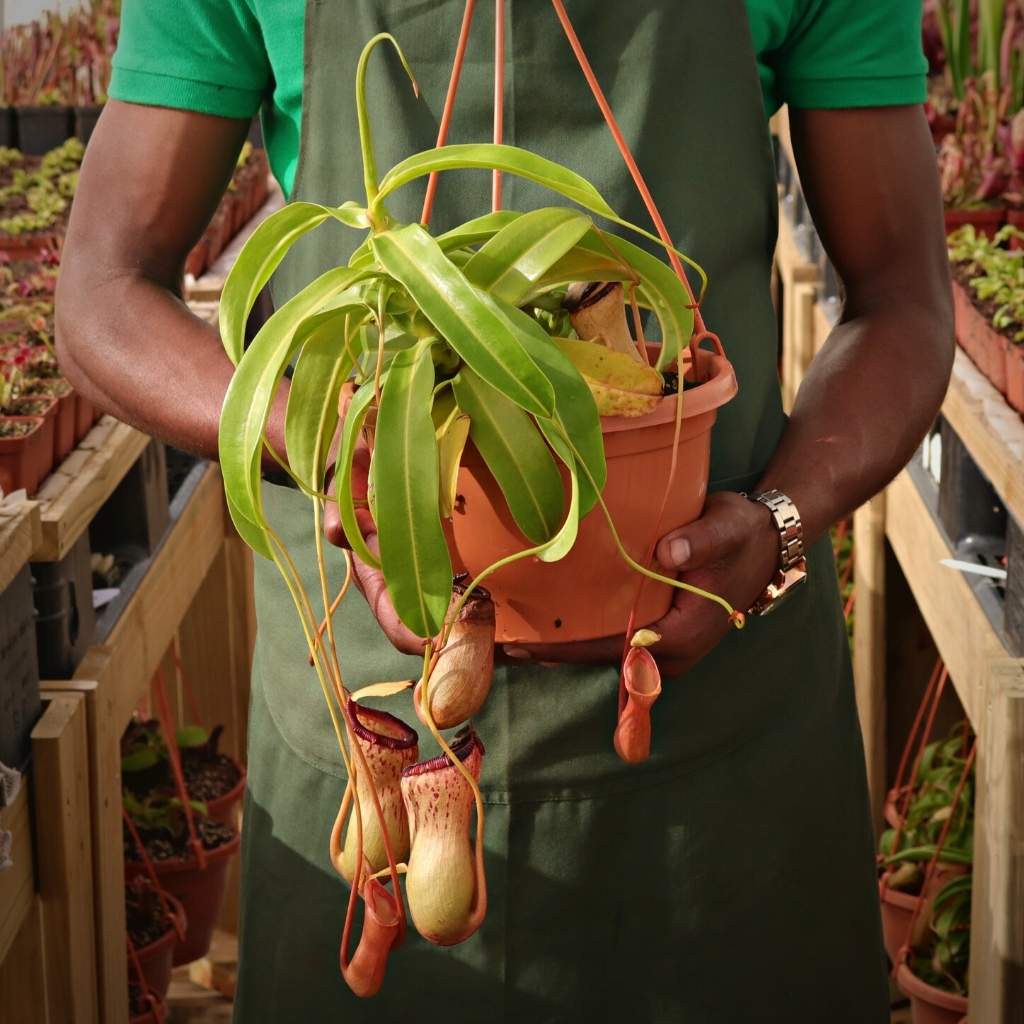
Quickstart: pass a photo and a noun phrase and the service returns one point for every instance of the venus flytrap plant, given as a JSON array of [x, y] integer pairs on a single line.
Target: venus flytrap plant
[[426, 344]]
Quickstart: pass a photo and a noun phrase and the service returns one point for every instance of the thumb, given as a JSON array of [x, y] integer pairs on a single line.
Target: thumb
[[715, 535]]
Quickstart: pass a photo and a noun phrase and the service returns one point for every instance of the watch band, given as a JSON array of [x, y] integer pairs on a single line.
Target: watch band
[[788, 523], [792, 571]]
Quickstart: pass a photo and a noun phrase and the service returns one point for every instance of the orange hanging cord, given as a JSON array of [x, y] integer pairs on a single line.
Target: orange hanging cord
[[499, 96], [449, 104], [164, 714]]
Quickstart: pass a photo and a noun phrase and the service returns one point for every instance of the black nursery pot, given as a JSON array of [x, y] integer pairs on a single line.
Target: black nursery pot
[[8, 128], [41, 129], [85, 122]]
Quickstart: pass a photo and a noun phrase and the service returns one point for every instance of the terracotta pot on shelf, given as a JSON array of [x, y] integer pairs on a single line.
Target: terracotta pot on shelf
[[199, 890], [1015, 217], [25, 405], [986, 219], [589, 593], [1015, 375], [223, 807], [898, 908], [928, 1004], [156, 958], [987, 348], [26, 461], [897, 914], [155, 1015], [85, 416]]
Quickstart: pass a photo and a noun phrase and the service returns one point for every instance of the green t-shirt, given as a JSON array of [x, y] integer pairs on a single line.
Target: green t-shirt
[[228, 57]]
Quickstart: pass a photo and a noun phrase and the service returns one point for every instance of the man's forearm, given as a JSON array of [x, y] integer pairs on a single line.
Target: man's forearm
[[867, 401], [136, 350]]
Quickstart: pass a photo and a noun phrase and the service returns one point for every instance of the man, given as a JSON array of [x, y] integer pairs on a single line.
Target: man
[[730, 878]]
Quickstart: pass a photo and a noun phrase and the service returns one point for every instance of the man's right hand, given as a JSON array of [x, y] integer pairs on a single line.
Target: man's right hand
[[370, 581]]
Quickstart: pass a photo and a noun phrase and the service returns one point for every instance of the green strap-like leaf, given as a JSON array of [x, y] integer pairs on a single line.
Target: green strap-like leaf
[[574, 404], [468, 319], [515, 453], [478, 230], [562, 542], [323, 365], [413, 551], [490, 156], [250, 396], [260, 257], [351, 430], [508, 265]]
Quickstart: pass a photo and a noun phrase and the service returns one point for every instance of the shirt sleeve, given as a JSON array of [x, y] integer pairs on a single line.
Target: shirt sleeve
[[852, 53], [202, 55]]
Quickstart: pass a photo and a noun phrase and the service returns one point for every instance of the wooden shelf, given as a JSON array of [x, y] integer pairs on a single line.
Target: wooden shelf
[[17, 883], [208, 287], [113, 679], [965, 638], [991, 431], [20, 535], [73, 494]]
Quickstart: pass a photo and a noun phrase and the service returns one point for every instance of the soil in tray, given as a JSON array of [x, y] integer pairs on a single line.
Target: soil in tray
[[208, 778], [144, 912], [162, 845], [16, 428]]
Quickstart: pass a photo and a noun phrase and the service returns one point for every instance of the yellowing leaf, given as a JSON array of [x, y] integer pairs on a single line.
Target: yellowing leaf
[[451, 442], [382, 689], [620, 385]]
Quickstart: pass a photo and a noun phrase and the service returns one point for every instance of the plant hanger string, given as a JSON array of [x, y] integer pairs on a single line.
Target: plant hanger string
[[174, 754], [936, 686], [933, 863], [147, 863]]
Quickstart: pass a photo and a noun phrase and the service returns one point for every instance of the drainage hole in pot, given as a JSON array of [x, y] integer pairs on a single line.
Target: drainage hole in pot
[[558, 623]]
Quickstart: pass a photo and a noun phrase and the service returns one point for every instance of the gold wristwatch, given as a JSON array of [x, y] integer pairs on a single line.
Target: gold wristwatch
[[792, 571]]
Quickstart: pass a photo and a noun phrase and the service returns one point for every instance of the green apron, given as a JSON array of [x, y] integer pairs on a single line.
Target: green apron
[[728, 879]]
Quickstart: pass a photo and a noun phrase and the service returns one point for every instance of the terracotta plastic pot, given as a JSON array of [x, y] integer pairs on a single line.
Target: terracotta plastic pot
[[28, 247], [589, 593], [27, 460], [928, 1004], [23, 406], [156, 958], [986, 220], [1015, 375], [1016, 218], [897, 913], [222, 808], [987, 348], [898, 908], [156, 1015], [201, 893], [64, 429], [85, 416]]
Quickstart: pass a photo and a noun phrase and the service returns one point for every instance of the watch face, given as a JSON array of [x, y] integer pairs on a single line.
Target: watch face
[[781, 588]]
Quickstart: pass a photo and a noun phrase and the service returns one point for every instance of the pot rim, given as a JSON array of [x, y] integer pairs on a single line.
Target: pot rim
[[39, 421], [231, 795], [718, 386], [897, 897], [177, 865], [170, 934], [915, 987]]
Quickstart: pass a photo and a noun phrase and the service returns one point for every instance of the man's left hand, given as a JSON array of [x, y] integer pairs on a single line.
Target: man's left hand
[[732, 550]]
